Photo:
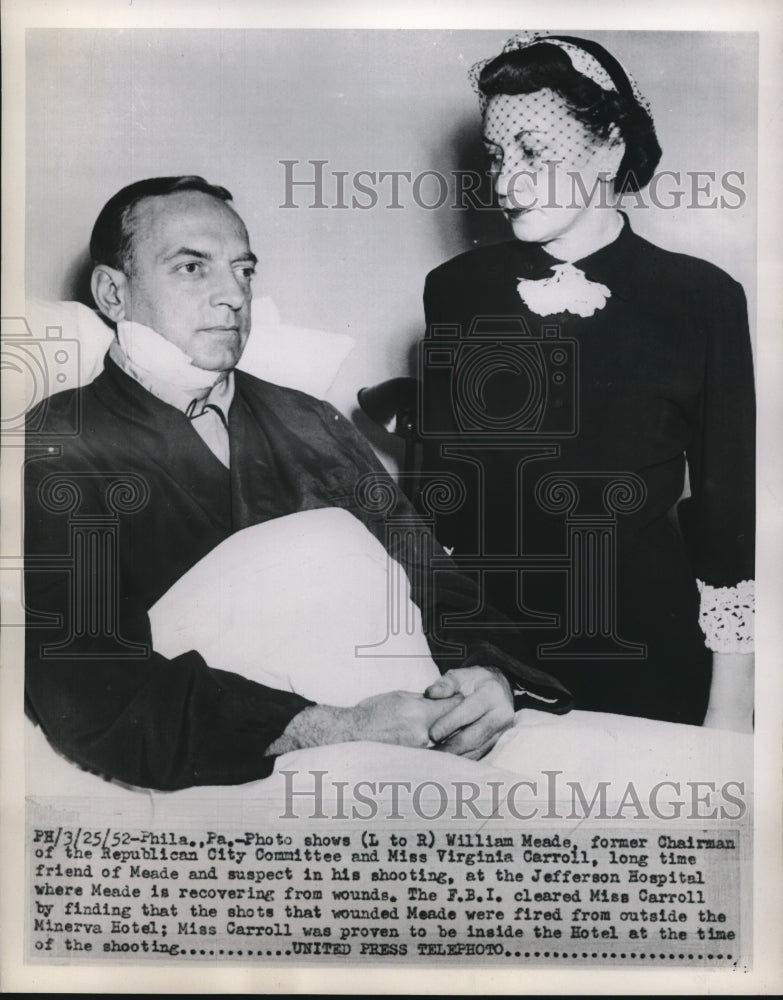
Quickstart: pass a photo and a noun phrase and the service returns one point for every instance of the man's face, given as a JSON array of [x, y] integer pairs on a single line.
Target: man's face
[[190, 274]]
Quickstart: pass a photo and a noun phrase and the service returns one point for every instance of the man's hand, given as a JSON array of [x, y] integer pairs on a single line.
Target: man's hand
[[485, 711], [399, 717]]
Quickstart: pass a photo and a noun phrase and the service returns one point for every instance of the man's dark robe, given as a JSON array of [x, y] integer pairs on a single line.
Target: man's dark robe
[[111, 465]]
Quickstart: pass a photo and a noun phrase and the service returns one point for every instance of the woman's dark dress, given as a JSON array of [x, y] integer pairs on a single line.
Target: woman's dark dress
[[661, 372]]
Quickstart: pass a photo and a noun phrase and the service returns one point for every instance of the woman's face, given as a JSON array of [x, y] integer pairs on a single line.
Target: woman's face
[[549, 171]]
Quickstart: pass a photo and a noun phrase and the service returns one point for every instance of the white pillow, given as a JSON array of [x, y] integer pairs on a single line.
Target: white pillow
[[293, 356], [287, 602], [63, 344]]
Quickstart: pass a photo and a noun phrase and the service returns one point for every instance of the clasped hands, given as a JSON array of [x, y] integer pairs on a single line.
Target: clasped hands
[[464, 712]]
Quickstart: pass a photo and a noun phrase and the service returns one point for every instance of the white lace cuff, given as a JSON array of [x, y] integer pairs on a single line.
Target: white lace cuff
[[727, 615]]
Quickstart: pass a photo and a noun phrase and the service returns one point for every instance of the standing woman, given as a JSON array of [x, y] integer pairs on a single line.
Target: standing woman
[[576, 379]]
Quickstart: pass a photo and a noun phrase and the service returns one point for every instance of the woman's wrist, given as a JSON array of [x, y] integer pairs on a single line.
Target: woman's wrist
[[731, 692]]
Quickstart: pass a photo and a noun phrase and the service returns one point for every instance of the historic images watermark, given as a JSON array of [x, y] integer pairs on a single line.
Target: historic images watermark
[[315, 183], [313, 794]]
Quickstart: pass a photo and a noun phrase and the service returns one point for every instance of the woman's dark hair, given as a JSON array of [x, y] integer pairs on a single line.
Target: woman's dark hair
[[111, 242], [541, 66]]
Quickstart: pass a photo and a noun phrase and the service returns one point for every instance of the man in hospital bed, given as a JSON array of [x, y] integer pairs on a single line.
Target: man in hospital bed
[[193, 537], [209, 587]]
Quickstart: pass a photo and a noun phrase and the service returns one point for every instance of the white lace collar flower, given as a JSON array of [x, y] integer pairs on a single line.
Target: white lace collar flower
[[567, 290]]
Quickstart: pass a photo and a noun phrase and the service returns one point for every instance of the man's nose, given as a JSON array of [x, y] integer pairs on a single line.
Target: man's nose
[[230, 290]]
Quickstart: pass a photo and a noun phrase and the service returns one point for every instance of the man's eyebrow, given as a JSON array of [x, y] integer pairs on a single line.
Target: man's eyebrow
[[187, 252], [205, 255]]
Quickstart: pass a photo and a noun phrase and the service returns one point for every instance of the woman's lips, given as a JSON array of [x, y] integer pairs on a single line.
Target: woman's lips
[[517, 213]]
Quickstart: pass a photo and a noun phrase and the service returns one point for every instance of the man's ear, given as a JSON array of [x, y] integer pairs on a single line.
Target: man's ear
[[111, 292]]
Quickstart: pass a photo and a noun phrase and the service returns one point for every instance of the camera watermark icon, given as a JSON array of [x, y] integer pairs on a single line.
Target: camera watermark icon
[[498, 380], [33, 369]]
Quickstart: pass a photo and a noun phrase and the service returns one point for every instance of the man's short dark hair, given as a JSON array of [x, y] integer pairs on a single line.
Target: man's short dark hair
[[112, 235]]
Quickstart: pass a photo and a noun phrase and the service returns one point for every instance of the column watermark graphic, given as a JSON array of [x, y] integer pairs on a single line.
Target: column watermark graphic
[[92, 561]]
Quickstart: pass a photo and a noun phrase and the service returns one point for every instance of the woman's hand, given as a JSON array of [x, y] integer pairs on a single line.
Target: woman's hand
[[731, 693], [485, 711]]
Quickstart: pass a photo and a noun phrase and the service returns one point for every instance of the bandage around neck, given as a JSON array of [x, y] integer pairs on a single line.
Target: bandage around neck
[[152, 358]]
